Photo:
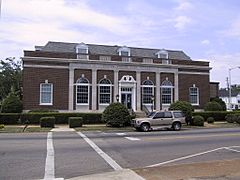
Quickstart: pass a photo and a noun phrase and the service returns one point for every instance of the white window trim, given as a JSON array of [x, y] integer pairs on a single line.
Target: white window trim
[[111, 85], [172, 88], [194, 104], [46, 104], [82, 84]]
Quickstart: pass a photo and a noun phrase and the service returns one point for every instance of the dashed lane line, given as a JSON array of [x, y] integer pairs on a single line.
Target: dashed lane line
[[132, 138], [106, 157]]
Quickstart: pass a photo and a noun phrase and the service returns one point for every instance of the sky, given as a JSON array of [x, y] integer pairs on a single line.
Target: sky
[[207, 30]]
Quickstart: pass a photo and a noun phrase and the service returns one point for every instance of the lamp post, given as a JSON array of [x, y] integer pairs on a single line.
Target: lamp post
[[230, 88], [152, 99], [117, 98]]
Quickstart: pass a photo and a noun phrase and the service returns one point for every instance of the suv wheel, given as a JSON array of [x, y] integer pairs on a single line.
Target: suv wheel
[[145, 127], [176, 126]]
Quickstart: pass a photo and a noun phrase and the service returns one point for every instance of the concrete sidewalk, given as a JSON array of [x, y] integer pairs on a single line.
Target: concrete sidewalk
[[217, 170]]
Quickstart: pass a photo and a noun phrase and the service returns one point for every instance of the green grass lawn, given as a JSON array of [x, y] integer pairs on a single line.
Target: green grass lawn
[[19, 129], [102, 127]]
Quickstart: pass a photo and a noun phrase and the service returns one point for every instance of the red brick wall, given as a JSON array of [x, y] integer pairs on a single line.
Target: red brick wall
[[32, 77], [201, 81]]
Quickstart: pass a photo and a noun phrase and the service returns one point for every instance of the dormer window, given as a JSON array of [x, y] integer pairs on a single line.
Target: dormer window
[[125, 52], [82, 51], [163, 54]]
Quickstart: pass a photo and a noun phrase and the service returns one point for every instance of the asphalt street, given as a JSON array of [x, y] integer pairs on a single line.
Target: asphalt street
[[23, 156]]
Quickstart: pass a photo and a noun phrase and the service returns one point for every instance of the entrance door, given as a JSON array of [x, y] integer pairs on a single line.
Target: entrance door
[[126, 99]]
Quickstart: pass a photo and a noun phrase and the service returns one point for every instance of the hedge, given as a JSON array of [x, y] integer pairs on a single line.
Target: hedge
[[10, 118], [75, 122], [217, 115], [47, 121]]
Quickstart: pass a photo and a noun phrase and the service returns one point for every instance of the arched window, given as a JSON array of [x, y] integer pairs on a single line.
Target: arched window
[[167, 91], [147, 91], [82, 91], [105, 91]]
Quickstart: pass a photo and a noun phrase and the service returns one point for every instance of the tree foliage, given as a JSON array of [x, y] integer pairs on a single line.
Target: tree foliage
[[221, 102], [12, 104], [10, 77], [213, 106]]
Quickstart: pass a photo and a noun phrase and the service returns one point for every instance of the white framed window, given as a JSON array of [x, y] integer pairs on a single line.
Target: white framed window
[[147, 91], [46, 93], [194, 95], [82, 51], [167, 92], [82, 91], [105, 58], [162, 54], [105, 91], [166, 61]]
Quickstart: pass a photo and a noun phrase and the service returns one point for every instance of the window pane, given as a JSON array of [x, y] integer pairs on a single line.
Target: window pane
[[46, 93], [82, 94], [193, 95], [105, 94], [147, 95], [166, 95]]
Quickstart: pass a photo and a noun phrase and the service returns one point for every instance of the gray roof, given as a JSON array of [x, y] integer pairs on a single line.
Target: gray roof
[[112, 50], [225, 93]]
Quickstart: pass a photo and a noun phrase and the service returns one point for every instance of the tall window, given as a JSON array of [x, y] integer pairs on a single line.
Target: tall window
[[82, 91], [193, 95], [147, 91], [167, 91], [46, 94], [105, 91]]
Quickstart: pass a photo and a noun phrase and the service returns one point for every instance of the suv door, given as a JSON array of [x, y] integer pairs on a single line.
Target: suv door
[[157, 118], [167, 119]]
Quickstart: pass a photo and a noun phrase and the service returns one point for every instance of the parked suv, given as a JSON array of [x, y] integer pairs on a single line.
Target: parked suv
[[160, 119]]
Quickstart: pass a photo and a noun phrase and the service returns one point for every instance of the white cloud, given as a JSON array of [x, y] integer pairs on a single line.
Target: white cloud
[[184, 5], [205, 42], [233, 30], [181, 22]]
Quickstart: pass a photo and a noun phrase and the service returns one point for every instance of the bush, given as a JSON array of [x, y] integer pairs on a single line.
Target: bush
[[221, 102], [213, 106], [210, 120], [230, 118], [116, 114], [9, 118], [198, 121], [12, 104], [47, 122], [42, 110], [1, 126], [238, 119], [217, 115], [62, 118], [75, 122], [185, 107]]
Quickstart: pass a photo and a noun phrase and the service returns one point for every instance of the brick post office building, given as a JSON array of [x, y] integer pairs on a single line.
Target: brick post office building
[[88, 77]]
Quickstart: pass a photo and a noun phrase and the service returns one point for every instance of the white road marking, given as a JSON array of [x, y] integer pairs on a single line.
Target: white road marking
[[132, 138], [232, 149], [49, 166], [121, 134], [185, 157], [107, 158]]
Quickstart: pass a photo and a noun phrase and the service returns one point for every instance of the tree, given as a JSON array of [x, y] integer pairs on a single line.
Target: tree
[[11, 104], [221, 102], [10, 77], [185, 107]]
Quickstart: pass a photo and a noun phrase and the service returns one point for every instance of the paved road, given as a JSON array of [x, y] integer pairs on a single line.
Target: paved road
[[23, 156]]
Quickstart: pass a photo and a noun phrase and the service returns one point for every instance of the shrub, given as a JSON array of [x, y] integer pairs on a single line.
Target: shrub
[[1, 126], [62, 118], [221, 102], [185, 107], [210, 120], [230, 118], [217, 115], [198, 121], [116, 114], [213, 106], [11, 104], [47, 122], [238, 119], [75, 122], [42, 110], [9, 118]]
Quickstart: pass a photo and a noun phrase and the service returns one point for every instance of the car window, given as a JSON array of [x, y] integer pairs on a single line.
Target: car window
[[178, 114], [167, 114], [159, 115]]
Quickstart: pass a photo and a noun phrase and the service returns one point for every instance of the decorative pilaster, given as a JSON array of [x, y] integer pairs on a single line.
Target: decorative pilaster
[[94, 89], [176, 90], [158, 96], [70, 89], [115, 85], [138, 79]]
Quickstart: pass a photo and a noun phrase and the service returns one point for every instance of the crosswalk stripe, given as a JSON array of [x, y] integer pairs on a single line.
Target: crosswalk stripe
[[132, 138]]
